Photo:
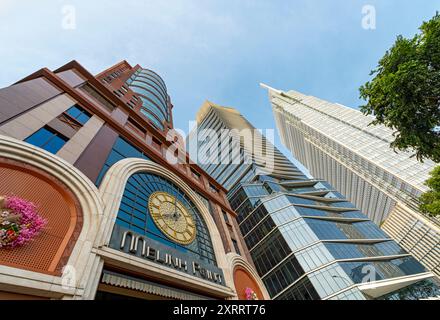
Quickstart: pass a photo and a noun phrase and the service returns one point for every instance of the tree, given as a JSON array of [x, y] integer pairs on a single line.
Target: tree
[[430, 201], [405, 95], [405, 92]]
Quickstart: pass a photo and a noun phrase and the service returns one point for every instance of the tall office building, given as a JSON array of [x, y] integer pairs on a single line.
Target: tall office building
[[90, 155], [336, 143], [306, 240]]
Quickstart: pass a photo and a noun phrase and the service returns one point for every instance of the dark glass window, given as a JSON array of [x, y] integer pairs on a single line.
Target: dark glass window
[[237, 199], [47, 139], [303, 290], [252, 220], [148, 113], [79, 114], [350, 251], [283, 275], [270, 252], [259, 232], [225, 215], [344, 230], [121, 149], [235, 243]]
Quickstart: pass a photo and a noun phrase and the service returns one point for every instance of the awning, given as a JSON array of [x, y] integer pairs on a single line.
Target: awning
[[123, 281]]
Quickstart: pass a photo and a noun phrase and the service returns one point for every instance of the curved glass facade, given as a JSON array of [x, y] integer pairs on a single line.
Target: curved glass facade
[[153, 92]]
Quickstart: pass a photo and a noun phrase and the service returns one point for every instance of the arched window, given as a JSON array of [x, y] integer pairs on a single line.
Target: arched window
[[134, 214]]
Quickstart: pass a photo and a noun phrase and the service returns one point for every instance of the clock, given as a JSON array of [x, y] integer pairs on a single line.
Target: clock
[[172, 217]]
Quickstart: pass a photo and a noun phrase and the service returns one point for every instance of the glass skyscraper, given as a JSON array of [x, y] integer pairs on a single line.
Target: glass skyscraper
[[337, 143], [306, 240]]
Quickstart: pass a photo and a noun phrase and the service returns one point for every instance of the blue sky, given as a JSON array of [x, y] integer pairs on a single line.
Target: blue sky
[[215, 50]]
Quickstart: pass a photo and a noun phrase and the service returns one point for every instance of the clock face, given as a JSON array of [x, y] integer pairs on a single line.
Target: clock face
[[172, 217]]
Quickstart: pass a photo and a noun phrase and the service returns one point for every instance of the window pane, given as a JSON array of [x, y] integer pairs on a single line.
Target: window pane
[[55, 144], [40, 137], [79, 114], [74, 112], [83, 118], [47, 139]]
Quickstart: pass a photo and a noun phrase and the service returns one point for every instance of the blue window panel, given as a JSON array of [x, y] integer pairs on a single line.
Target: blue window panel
[[122, 223], [74, 112], [141, 186], [83, 118], [47, 139], [121, 150], [154, 79], [370, 230], [124, 216], [165, 241], [126, 149], [79, 114], [114, 157], [55, 144], [131, 188], [138, 230], [140, 207], [139, 215], [125, 207], [128, 201], [138, 222], [153, 119], [150, 107], [151, 226], [129, 195], [151, 86], [101, 174], [149, 94], [40, 137], [410, 265]]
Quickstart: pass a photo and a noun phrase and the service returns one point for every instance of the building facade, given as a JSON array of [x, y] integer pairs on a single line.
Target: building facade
[[307, 241], [91, 154], [337, 144]]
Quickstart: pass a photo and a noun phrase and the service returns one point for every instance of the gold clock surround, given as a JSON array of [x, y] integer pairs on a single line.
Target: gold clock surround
[[172, 217]]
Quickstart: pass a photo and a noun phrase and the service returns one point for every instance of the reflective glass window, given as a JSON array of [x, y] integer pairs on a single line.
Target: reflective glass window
[[47, 139], [79, 114]]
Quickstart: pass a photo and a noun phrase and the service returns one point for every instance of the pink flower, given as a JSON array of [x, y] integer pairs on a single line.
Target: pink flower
[[250, 294], [29, 225]]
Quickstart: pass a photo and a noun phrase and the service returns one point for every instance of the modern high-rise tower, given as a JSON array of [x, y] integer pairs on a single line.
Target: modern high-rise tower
[[337, 143], [91, 156], [306, 240]]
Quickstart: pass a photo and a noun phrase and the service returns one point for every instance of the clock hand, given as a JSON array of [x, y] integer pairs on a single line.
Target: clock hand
[[176, 214], [167, 215], [175, 205]]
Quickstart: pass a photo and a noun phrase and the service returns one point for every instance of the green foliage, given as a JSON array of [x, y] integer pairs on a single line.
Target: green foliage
[[405, 92], [430, 201]]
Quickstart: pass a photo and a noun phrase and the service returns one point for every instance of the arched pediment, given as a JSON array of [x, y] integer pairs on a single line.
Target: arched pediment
[[112, 189], [76, 223]]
